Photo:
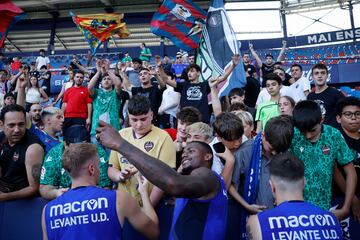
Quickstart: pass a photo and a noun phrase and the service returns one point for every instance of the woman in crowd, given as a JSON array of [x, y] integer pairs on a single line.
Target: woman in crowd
[[286, 105], [65, 86], [248, 123], [34, 93]]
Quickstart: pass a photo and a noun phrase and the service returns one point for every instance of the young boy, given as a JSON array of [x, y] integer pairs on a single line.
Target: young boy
[[195, 93], [269, 109], [319, 146], [252, 162], [348, 116], [237, 95]]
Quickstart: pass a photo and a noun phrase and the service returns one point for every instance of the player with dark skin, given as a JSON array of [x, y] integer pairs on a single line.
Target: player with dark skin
[[196, 181]]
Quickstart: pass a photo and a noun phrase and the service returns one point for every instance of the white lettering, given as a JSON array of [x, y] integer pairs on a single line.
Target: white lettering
[[58, 82], [349, 34], [278, 222], [357, 33], [339, 36], [302, 223], [322, 38], [301, 220], [69, 221], [77, 206], [297, 235], [312, 39]]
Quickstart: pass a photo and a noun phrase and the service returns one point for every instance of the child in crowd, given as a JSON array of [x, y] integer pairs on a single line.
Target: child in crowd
[[269, 109]]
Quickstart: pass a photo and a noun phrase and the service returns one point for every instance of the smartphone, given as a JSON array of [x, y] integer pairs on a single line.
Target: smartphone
[[219, 147]]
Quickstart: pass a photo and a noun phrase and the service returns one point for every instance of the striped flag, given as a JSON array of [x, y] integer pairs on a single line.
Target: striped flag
[[217, 46], [10, 14], [181, 21], [97, 28]]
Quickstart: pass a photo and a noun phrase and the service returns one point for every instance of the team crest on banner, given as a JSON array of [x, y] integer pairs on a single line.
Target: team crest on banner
[[180, 21], [97, 28], [216, 48]]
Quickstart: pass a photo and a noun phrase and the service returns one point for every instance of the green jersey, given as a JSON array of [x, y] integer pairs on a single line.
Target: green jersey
[[105, 101], [319, 159], [53, 173]]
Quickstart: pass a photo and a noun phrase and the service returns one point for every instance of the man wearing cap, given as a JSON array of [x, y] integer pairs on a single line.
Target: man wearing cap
[[179, 66], [133, 73], [54, 180]]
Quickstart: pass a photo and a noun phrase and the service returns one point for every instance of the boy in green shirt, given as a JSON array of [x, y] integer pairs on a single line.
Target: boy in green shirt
[[319, 146], [269, 109]]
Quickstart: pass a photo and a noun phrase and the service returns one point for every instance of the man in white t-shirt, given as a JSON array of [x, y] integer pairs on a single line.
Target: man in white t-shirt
[[300, 86], [42, 60]]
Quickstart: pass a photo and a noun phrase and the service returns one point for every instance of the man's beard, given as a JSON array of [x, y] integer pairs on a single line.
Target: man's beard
[[37, 118]]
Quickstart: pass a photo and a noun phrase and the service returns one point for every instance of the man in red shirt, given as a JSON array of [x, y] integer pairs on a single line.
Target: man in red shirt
[[76, 105]]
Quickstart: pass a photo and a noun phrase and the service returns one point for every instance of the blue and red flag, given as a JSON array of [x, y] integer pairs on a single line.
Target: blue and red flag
[[218, 45], [10, 14], [181, 21]]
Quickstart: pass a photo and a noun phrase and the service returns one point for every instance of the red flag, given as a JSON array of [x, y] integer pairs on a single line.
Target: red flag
[[10, 14]]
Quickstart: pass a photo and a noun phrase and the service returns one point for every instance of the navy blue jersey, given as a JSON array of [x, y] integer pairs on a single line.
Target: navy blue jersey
[[83, 213], [298, 220], [209, 217]]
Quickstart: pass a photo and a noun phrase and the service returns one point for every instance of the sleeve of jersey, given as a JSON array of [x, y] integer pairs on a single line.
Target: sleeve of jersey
[[50, 170], [258, 109], [344, 154], [114, 160], [168, 152], [104, 181]]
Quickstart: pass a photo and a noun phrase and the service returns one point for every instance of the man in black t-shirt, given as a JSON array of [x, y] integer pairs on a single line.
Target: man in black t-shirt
[[325, 95], [248, 67], [21, 155], [33, 71], [45, 76], [195, 93], [151, 91]]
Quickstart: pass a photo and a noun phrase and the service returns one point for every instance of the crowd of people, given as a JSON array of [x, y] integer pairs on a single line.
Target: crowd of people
[[268, 161]]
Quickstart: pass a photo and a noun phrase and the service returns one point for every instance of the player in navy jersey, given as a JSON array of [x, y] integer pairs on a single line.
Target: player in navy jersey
[[201, 204], [292, 218], [88, 212]]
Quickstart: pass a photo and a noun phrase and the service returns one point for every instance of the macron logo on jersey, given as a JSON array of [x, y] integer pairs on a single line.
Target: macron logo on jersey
[[77, 206], [312, 220]]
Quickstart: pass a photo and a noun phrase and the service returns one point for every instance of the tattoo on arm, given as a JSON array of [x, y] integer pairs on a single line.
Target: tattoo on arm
[[36, 170], [249, 234]]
